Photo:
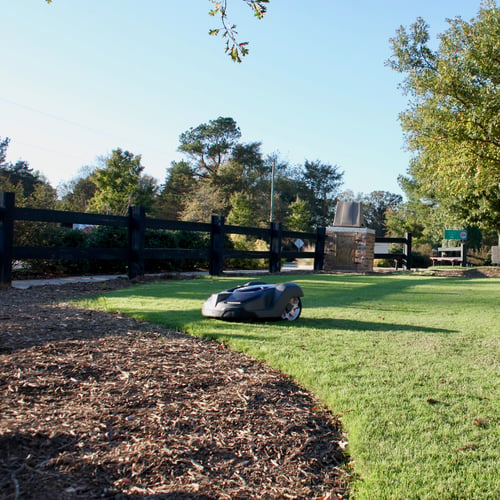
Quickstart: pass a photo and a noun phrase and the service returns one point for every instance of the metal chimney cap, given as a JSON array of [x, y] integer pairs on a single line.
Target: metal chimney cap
[[348, 214]]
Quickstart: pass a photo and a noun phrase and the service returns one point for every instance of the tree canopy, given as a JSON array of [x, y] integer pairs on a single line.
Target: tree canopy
[[376, 205], [452, 125], [19, 177], [220, 175], [323, 182], [120, 184], [210, 144]]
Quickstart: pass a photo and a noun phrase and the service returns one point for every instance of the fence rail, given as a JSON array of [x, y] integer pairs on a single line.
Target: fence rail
[[403, 257], [136, 253]]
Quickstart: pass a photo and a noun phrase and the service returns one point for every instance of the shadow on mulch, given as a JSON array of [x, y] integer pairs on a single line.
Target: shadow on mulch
[[96, 405]]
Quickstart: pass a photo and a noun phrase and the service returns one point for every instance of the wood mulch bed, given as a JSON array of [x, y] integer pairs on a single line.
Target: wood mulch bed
[[97, 405]]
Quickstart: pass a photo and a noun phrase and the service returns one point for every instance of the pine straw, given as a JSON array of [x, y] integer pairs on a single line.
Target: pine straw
[[95, 405]]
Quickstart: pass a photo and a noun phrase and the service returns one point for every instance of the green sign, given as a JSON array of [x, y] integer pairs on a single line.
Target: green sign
[[455, 234]]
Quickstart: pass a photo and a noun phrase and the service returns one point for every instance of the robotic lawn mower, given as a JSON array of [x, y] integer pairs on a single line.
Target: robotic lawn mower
[[256, 301]]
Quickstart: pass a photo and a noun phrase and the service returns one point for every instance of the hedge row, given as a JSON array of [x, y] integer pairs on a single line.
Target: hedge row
[[49, 235]]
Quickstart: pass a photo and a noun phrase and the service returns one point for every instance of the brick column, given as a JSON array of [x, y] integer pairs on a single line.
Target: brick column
[[349, 249]]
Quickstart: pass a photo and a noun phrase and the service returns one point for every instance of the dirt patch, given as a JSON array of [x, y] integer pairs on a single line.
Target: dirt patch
[[96, 405], [464, 272]]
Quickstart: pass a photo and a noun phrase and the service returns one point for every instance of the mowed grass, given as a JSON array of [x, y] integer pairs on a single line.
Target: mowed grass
[[410, 363]]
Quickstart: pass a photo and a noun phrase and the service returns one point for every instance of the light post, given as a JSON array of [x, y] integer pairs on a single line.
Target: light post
[[272, 190]]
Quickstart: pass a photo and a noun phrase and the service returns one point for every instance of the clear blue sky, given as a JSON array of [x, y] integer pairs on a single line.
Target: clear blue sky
[[80, 78]]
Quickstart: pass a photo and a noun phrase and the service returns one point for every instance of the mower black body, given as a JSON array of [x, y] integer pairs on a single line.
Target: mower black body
[[256, 301]]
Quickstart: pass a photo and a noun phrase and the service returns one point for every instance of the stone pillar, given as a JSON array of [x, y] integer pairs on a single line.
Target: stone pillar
[[495, 255], [349, 249]]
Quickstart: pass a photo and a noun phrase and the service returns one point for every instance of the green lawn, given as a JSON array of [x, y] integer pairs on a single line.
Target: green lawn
[[410, 363]]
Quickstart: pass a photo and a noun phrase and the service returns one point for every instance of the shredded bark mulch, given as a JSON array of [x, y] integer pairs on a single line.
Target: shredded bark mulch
[[97, 405]]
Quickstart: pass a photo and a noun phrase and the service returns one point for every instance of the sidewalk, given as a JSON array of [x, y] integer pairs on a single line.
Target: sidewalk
[[25, 284]]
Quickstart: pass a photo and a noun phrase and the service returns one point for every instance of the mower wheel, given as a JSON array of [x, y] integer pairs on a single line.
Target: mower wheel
[[292, 310]]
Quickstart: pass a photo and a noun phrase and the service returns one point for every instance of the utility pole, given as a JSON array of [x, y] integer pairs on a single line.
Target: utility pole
[[273, 164]]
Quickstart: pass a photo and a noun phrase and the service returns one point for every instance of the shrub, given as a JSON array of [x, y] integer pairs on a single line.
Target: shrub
[[191, 240], [107, 237], [479, 257], [175, 239], [245, 243], [50, 235], [384, 263], [421, 255]]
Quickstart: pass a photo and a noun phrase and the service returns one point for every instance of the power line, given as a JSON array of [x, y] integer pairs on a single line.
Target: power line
[[78, 125], [61, 119]]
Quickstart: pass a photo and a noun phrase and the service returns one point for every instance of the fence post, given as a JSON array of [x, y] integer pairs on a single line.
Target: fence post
[[319, 250], [136, 230], [407, 250], [7, 205], [216, 246], [275, 247]]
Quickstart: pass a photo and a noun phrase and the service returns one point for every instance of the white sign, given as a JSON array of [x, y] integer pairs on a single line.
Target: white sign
[[299, 243]]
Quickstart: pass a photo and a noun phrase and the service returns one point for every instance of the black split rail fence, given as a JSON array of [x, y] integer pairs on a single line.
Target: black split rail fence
[[135, 254]]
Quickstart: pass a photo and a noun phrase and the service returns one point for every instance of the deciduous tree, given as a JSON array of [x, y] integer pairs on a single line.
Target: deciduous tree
[[242, 211], [77, 193], [422, 217], [234, 48], [375, 207], [323, 181], [210, 144], [178, 189], [119, 184], [452, 124], [20, 175], [299, 216]]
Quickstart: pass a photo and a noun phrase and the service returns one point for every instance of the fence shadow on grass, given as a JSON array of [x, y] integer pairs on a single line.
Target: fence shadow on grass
[[348, 290], [366, 326]]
